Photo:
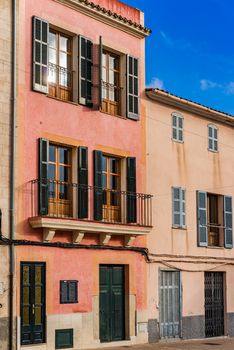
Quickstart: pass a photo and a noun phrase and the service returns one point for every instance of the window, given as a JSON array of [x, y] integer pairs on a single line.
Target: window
[[60, 66], [214, 215], [177, 127], [111, 187], [59, 181], [212, 138], [111, 92], [133, 87], [178, 207], [68, 292]]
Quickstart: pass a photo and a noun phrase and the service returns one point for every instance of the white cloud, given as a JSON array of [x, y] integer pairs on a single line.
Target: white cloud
[[166, 38], [230, 88], [208, 84], [156, 83]]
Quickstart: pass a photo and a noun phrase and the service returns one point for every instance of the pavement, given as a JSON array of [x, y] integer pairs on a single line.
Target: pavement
[[204, 344]]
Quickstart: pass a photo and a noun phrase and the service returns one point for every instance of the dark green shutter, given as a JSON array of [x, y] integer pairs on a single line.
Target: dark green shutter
[[131, 190], [83, 182], [85, 71], [202, 219], [132, 83], [43, 176], [98, 193], [100, 71], [228, 240], [40, 54]]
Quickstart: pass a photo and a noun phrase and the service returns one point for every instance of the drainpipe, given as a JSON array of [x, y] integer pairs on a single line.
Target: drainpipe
[[12, 177]]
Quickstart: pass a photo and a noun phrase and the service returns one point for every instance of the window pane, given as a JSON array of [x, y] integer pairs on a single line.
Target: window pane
[[215, 133], [111, 77], [89, 91], [52, 40], [83, 88], [180, 120], [44, 75], [135, 67], [89, 70], [89, 50], [104, 59], [136, 86], [83, 47], [44, 54], [38, 29], [176, 193], [104, 180], [130, 65], [44, 32], [177, 206], [216, 145], [180, 135], [174, 132], [104, 75], [130, 88], [210, 130], [64, 44], [64, 155], [112, 62], [113, 182], [83, 69], [104, 163], [51, 171], [38, 52], [51, 190], [113, 165], [63, 173], [64, 60], [37, 74], [52, 56], [63, 192], [136, 105], [176, 219], [174, 120], [210, 144], [130, 101]]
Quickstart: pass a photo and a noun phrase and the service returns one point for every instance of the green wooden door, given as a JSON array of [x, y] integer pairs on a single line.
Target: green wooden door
[[112, 311], [32, 303]]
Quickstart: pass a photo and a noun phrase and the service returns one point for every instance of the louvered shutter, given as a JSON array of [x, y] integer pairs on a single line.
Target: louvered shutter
[[83, 182], [100, 71], [183, 208], [131, 190], [202, 219], [132, 81], [40, 54], [85, 71], [43, 176], [176, 212], [228, 239], [98, 193]]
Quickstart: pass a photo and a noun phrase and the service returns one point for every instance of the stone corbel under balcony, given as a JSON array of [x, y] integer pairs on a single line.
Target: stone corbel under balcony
[[79, 228]]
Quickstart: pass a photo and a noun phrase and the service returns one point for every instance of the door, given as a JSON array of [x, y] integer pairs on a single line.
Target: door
[[214, 304], [112, 310], [32, 303], [170, 313]]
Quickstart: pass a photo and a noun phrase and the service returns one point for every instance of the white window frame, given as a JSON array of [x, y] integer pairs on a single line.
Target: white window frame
[[182, 207], [212, 138], [177, 127]]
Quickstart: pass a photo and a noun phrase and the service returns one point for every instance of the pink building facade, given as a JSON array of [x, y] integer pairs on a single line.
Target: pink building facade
[[82, 212]]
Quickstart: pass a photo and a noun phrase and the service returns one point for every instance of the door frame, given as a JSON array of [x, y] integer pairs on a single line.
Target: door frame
[[180, 298], [21, 304], [126, 313]]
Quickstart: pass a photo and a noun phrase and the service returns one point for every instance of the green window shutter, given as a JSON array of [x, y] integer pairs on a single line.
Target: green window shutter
[[131, 190], [100, 71], [228, 239], [98, 193], [83, 182], [132, 82], [40, 54], [202, 219], [85, 71], [43, 176]]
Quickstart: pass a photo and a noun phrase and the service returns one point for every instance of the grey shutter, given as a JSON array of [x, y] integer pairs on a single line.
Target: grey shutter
[[82, 182], [131, 190], [228, 239], [202, 219], [183, 208], [85, 71], [132, 83], [98, 193], [72, 292], [43, 176], [100, 71], [176, 207], [40, 54], [63, 292]]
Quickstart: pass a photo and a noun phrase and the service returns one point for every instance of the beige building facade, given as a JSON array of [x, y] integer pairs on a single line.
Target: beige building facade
[[190, 167]]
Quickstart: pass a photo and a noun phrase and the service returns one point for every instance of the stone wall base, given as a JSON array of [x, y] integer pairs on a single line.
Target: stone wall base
[[193, 327]]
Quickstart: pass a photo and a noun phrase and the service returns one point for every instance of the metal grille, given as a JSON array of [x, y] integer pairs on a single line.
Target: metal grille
[[214, 304], [170, 304]]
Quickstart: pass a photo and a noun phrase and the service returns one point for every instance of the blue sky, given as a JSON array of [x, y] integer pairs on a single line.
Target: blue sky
[[191, 49]]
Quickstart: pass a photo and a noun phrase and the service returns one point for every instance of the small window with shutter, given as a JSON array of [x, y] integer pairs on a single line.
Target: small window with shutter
[[212, 138], [132, 88], [68, 292], [177, 127], [178, 207]]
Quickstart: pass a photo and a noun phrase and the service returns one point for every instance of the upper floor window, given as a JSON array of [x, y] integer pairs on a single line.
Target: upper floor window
[[212, 138], [177, 127], [111, 91], [60, 66], [178, 207], [214, 219], [57, 72]]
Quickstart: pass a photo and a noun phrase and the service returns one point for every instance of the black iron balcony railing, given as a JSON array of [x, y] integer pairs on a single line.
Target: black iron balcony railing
[[83, 202]]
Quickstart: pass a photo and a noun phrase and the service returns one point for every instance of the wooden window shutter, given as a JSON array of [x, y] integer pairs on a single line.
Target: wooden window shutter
[[100, 71], [43, 176], [228, 239], [85, 71], [98, 194], [83, 182], [40, 54], [131, 190], [202, 219], [132, 82]]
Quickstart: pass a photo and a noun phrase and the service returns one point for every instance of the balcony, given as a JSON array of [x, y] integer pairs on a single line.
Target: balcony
[[86, 209]]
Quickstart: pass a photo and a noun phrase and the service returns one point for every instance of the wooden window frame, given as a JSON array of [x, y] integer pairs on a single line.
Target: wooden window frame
[[56, 201], [60, 90], [107, 104]]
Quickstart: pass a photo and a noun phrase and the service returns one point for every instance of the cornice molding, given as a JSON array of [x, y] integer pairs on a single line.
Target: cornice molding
[[189, 106], [108, 17]]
